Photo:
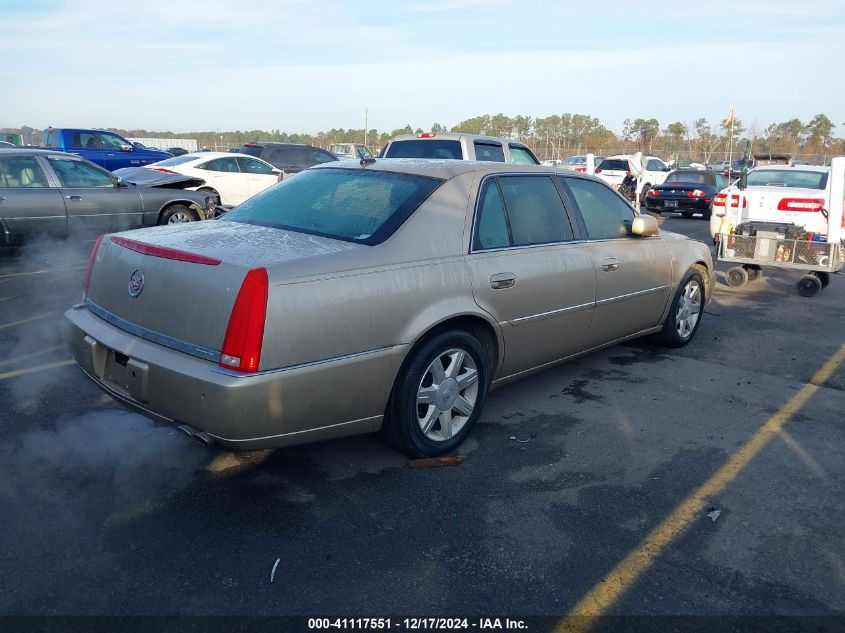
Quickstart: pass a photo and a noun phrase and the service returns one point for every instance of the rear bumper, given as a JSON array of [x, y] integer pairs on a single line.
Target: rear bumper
[[289, 406], [694, 205]]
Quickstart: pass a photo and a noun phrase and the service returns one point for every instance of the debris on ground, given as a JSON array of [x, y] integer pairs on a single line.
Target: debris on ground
[[514, 438], [436, 462], [714, 514], [273, 573]]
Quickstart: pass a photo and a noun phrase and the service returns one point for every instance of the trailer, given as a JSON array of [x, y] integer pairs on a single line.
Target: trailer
[[754, 244]]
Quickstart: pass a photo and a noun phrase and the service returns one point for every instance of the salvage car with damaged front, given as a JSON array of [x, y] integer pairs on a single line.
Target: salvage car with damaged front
[[389, 294]]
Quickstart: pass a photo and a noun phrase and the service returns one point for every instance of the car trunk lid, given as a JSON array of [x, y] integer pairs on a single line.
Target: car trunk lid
[[176, 286], [791, 205]]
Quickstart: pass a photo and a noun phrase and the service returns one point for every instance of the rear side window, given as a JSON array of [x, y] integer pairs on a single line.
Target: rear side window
[[526, 210], [84, 140], [492, 230], [21, 171], [605, 214], [221, 164], [76, 173], [281, 156], [522, 155], [489, 152], [420, 148], [345, 204]]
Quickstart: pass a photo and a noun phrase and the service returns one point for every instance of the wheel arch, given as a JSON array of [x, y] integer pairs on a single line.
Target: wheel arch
[[191, 204]]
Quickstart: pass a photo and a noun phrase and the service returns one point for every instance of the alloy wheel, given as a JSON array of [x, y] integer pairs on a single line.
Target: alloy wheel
[[447, 395], [689, 309]]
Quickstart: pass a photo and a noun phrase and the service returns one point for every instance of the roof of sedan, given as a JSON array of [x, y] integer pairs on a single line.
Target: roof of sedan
[[198, 155], [823, 168], [439, 168], [30, 150]]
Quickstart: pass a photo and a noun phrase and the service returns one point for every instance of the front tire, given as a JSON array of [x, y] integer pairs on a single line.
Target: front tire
[[438, 395], [684, 313], [178, 214]]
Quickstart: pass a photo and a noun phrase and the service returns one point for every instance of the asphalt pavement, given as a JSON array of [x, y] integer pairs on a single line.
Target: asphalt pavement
[[567, 473]]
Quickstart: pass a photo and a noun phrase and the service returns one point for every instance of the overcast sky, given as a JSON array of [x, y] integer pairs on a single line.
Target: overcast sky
[[309, 65]]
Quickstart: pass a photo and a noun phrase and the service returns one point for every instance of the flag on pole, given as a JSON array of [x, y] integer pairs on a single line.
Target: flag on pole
[[730, 119]]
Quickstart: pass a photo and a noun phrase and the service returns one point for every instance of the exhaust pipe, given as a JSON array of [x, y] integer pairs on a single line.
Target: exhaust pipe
[[201, 436]]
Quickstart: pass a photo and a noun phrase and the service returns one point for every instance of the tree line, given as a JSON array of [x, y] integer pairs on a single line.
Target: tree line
[[558, 136]]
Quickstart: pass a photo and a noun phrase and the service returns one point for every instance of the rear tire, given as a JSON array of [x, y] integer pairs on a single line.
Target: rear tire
[[685, 312], [808, 286], [736, 277], [438, 395], [823, 277], [178, 214]]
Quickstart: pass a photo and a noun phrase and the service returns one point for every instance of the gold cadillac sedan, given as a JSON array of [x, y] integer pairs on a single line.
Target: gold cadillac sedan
[[388, 294]]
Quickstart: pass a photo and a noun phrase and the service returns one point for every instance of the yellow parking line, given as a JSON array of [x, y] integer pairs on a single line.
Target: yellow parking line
[[22, 321], [36, 369], [12, 361], [614, 585]]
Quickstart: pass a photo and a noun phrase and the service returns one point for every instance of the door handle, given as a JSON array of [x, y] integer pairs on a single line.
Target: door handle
[[610, 264], [110, 155], [74, 197], [502, 280]]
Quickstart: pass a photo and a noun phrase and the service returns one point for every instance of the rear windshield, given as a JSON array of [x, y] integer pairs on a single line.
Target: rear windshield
[[692, 177], [788, 178], [176, 160], [255, 150], [354, 205], [614, 163], [424, 148]]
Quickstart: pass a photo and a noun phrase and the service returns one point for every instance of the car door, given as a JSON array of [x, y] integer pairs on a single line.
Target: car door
[[656, 171], [86, 144], [95, 203], [117, 152], [633, 274], [260, 175], [225, 175], [28, 204], [528, 272]]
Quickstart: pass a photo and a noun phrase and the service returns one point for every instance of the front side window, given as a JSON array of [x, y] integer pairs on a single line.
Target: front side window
[[489, 152], [111, 141], [253, 166], [605, 214], [654, 164], [345, 204], [229, 165], [76, 173], [21, 171], [321, 156], [522, 155]]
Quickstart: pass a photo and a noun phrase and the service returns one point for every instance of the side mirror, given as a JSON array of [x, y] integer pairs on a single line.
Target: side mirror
[[644, 226], [126, 148]]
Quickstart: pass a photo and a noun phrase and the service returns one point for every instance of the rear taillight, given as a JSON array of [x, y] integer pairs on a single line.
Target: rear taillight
[[721, 198], [164, 171], [91, 265], [801, 204], [581, 169], [652, 193], [598, 170], [695, 193], [245, 332]]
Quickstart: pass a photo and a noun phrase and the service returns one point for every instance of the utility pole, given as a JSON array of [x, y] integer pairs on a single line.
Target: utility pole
[[366, 124]]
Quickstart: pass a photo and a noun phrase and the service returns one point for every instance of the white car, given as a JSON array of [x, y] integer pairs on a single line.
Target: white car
[[613, 170], [776, 193], [233, 177]]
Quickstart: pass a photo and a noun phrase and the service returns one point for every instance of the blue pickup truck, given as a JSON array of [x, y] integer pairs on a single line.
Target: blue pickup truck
[[102, 147]]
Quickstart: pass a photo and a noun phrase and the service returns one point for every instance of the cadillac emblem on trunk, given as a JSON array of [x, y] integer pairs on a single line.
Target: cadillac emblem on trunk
[[136, 282]]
